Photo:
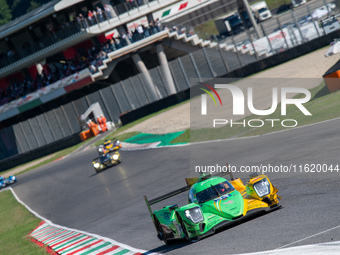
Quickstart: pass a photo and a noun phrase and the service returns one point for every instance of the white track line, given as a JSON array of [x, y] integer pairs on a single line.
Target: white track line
[[303, 239], [316, 249], [231, 139], [329, 248], [272, 133]]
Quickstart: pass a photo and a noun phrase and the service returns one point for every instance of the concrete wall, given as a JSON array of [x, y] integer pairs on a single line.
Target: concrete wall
[[48, 125]]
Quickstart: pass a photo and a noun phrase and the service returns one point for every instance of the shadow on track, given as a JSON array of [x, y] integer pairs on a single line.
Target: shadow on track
[[180, 243], [174, 245]]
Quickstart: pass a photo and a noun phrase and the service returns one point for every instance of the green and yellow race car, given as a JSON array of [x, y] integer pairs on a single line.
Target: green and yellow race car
[[214, 202]]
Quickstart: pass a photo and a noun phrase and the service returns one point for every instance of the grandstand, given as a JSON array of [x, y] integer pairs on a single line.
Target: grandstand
[[61, 58]]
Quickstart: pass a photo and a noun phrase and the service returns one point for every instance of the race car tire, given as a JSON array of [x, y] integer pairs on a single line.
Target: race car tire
[[97, 170], [185, 232], [160, 231]]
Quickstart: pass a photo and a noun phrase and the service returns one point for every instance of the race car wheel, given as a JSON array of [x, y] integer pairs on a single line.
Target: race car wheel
[[97, 170], [160, 232], [185, 232]]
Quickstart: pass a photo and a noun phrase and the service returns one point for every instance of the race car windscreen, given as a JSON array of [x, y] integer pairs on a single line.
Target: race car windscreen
[[214, 192], [105, 157]]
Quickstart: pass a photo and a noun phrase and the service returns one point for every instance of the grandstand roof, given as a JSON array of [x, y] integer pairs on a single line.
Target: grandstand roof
[[35, 15]]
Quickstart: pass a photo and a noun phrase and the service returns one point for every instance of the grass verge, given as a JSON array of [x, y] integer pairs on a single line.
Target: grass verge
[[16, 224]]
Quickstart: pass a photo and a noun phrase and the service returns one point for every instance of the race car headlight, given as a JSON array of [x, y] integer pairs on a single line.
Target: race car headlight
[[96, 165], [115, 157], [262, 187], [194, 214]]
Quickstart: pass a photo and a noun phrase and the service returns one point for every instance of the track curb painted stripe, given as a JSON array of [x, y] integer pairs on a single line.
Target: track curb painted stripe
[[46, 230]]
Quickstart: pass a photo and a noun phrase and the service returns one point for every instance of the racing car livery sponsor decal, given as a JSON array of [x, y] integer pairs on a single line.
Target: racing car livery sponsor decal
[[217, 201], [222, 197]]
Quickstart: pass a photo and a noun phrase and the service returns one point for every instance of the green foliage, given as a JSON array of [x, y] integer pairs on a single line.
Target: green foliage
[[5, 12], [273, 4], [12, 9], [16, 224], [206, 29], [34, 5]]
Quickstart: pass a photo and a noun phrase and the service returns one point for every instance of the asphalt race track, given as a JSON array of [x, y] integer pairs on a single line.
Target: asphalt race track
[[69, 193]]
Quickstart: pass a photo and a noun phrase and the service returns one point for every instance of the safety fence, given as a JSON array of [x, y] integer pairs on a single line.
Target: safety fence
[[135, 92], [282, 31], [127, 95]]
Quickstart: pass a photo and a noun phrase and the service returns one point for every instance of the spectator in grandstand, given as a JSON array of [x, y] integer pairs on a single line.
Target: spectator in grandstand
[[90, 18], [184, 31], [65, 25], [112, 44], [10, 53], [140, 31], [107, 11], [158, 24], [102, 55], [82, 22], [129, 36], [106, 48], [100, 14], [131, 4], [153, 27], [123, 40], [91, 59], [146, 31], [92, 68], [118, 42]]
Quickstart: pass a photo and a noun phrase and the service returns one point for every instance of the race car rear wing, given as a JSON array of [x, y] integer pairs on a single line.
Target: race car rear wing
[[164, 197], [189, 181]]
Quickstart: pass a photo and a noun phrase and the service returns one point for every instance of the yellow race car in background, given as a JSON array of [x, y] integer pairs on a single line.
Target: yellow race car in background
[[106, 160], [112, 145]]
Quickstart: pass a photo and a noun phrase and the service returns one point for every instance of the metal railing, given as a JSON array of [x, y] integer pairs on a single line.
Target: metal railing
[[291, 30], [65, 31], [30, 48]]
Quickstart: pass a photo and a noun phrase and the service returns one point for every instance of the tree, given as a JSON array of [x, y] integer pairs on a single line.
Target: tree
[[34, 5], [5, 13]]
